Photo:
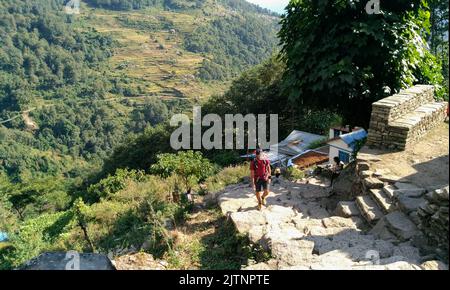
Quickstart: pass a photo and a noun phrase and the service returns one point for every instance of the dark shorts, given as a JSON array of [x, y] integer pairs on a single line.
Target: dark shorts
[[261, 185]]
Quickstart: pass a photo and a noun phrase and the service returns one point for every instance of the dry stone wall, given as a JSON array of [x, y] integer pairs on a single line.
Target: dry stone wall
[[399, 120], [434, 220]]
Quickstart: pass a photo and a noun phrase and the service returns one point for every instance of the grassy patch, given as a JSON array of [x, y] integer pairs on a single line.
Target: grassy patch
[[208, 241]]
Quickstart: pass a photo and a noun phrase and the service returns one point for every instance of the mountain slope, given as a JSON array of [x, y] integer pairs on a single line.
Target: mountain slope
[[78, 85]]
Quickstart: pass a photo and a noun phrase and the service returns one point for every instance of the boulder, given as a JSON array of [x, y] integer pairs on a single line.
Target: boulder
[[346, 209], [333, 260], [409, 204], [407, 186], [246, 220], [69, 261], [292, 252], [139, 261], [410, 253], [399, 265], [269, 265], [278, 214], [384, 248], [418, 192], [381, 231], [344, 183], [400, 225], [340, 222], [434, 265]]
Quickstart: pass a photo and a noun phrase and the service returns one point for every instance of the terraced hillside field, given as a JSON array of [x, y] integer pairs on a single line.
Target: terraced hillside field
[[151, 56]]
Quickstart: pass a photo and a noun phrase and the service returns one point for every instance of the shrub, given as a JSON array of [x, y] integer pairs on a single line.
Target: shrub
[[191, 166], [113, 183], [229, 175], [293, 173], [44, 233]]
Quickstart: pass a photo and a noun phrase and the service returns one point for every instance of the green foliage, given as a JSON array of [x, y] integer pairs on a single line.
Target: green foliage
[[33, 197], [113, 183], [8, 220], [318, 143], [139, 152], [191, 166], [43, 233], [124, 4], [340, 57], [227, 176], [131, 215], [223, 157], [234, 43], [259, 91], [438, 39], [293, 173], [229, 250], [358, 144], [153, 112]]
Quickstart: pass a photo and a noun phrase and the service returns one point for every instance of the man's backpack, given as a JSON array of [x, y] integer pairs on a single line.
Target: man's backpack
[[266, 165]]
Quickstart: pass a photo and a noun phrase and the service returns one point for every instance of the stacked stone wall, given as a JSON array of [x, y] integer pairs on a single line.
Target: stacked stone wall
[[399, 120]]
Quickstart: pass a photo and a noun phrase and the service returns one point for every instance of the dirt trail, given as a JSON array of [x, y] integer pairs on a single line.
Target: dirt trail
[[29, 123], [425, 164], [300, 233]]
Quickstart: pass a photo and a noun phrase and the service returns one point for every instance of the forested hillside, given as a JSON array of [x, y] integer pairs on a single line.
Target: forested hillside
[[85, 157], [74, 86]]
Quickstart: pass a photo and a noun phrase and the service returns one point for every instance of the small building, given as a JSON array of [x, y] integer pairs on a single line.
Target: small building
[[296, 143], [344, 145], [310, 158], [335, 132]]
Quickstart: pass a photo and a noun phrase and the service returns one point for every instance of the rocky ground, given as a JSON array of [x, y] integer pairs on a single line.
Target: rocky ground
[[300, 233], [425, 164]]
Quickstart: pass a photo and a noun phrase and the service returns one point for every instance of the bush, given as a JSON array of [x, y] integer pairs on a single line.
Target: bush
[[113, 183], [191, 166], [229, 175], [293, 173], [44, 233]]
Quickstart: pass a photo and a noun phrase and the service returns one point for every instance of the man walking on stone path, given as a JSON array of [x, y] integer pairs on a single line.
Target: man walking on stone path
[[260, 175]]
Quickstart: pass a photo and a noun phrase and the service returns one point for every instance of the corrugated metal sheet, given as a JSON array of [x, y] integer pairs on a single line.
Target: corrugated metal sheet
[[294, 144], [351, 138], [297, 142]]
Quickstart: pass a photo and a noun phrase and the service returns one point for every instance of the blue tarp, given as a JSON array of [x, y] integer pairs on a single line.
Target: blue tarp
[[351, 138], [3, 237]]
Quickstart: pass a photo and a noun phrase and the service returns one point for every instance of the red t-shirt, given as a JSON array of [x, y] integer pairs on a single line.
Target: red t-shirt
[[261, 170]]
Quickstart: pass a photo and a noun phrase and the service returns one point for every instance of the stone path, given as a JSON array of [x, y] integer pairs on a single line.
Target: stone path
[[300, 233]]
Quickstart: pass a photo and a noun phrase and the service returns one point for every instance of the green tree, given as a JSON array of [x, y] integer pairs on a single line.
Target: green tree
[[438, 36], [81, 215], [340, 57], [191, 166]]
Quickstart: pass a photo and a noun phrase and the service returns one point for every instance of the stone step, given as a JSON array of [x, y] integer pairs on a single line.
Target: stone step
[[347, 209], [400, 225], [382, 199], [389, 190], [405, 185], [408, 190], [372, 182], [368, 208], [410, 204]]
